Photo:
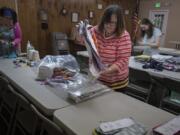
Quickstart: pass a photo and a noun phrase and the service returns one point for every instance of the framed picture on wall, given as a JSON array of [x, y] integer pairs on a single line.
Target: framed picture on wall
[[99, 6], [74, 17], [90, 14]]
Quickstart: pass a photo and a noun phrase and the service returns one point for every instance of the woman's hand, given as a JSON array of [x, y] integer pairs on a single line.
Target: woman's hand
[[110, 70], [104, 72]]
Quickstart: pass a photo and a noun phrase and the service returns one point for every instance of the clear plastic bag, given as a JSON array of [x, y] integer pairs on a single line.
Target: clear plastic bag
[[87, 90], [49, 63], [62, 73], [72, 83]]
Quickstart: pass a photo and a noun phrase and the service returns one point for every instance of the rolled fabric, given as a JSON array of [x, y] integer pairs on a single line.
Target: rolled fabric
[[96, 66]]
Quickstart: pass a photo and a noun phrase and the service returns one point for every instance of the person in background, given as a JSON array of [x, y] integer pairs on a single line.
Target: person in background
[[17, 32], [150, 36], [11, 18], [114, 47], [6, 32]]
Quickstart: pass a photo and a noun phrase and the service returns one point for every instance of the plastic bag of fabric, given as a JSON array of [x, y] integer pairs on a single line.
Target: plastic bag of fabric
[[53, 66], [87, 90], [63, 83]]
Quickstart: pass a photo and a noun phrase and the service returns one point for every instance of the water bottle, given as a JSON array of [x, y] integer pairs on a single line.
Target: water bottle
[[29, 47]]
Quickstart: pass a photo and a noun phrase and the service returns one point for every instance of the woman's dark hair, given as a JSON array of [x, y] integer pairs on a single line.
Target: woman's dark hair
[[2, 11], [106, 18], [14, 15], [149, 32]]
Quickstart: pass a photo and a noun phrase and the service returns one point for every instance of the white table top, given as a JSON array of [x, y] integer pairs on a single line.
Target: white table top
[[82, 118], [162, 74], [24, 79], [169, 51]]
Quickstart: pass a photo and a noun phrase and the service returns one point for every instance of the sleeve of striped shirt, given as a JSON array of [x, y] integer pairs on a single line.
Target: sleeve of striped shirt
[[123, 53]]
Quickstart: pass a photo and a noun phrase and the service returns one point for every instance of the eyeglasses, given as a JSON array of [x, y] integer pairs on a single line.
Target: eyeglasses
[[111, 23]]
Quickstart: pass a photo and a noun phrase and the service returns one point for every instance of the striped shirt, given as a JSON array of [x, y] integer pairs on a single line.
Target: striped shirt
[[114, 50]]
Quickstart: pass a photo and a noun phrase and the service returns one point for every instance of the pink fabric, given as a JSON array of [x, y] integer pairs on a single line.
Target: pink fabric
[[18, 35]]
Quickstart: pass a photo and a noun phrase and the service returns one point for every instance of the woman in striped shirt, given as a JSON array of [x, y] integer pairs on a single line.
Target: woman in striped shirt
[[114, 47]]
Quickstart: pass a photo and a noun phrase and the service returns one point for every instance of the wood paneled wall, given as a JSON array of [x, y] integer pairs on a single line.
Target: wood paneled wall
[[28, 14], [7, 3]]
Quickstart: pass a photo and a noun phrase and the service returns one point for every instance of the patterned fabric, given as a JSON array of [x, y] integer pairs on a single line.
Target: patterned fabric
[[114, 50], [6, 33], [6, 37]]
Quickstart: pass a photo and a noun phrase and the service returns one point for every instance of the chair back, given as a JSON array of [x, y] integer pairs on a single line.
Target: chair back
[[139, 77], [3, 82], [47, 127], [24, 122], [171, 96], [8, 108], [172, 84]]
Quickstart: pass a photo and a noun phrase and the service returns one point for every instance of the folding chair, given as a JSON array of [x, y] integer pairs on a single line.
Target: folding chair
[[7, 109], [3, 84], [47, 126], [140, 84], [25, 122], [171, 96]]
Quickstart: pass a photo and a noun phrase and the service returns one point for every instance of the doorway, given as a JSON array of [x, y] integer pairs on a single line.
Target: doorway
[[160, 19]]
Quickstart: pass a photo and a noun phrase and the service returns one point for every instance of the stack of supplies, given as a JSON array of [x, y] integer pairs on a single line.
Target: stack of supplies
[[161, 58], [126, 126], [172, 64], [87, 91], [142, 58], [171, 127]]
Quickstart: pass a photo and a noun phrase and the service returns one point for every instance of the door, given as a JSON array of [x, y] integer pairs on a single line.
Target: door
[[159, 19]]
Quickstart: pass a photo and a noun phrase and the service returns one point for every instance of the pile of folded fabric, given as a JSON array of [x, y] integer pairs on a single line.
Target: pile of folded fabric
[[157, 62], [153, 64], [174, 60], [172, 127], [161, 58], [172, 64], [126, 126], [142, 58], [96, 65]]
